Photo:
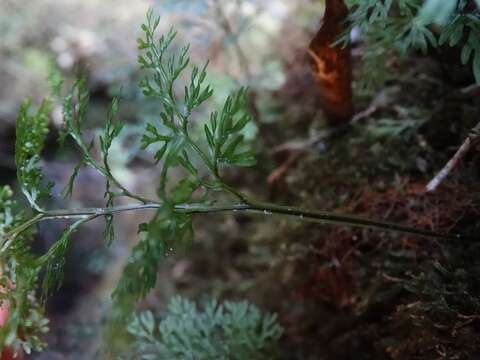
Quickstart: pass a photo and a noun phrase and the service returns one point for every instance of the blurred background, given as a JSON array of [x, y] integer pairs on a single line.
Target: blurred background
[[257, 43]]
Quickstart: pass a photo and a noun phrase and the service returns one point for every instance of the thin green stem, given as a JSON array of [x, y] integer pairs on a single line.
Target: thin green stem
[[349, 220], [75, 213], [126, 192], [316, 216], [103, 170], [239, 195], [201, 154], [251, 206], [11, 235], [8, 238]]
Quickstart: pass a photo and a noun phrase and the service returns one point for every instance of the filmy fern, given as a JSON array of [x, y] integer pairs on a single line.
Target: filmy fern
[[201, 161]]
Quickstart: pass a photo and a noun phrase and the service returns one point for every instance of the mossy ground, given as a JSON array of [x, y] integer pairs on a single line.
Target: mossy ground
[[347, 293]]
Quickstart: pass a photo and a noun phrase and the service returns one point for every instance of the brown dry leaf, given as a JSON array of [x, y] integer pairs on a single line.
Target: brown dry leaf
[[332, 65]]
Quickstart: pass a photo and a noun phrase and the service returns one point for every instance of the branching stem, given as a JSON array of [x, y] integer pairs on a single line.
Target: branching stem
[[125, 191]]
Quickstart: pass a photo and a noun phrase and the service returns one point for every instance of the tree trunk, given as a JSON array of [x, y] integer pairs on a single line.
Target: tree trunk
[[332, 65]]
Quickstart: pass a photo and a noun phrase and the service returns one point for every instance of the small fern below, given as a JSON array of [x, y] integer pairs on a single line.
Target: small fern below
[[232, 330]]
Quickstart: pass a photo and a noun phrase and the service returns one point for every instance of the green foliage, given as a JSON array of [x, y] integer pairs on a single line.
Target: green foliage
[[223, 134], [407, 24], [435, 11], [233, 330], [111, 130], [7, 217], [170, 228], [19, 275], [464, 29], [176, 146], [375, 20], [32, 129], [54, 260], [165, 232], [75, 107]]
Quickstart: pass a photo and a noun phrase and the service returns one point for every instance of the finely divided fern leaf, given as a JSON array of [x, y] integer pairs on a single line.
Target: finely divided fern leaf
[[232, 330], [31, 131], [407, 24], [19, 274], [170, 228]]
